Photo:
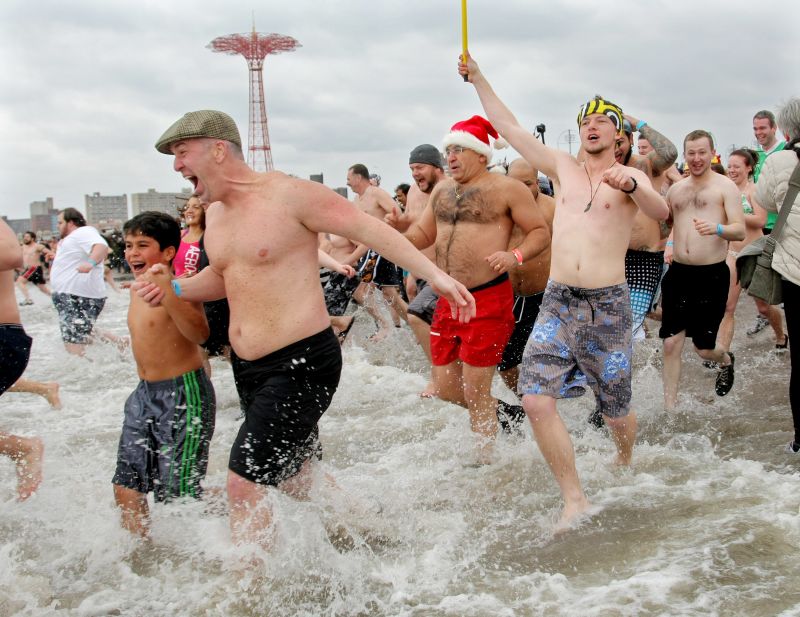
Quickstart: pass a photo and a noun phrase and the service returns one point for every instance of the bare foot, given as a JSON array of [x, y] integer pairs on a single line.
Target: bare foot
[[429, 391], [621, 461], [52, 395], [29, 468], [573, 513], [380, 335]]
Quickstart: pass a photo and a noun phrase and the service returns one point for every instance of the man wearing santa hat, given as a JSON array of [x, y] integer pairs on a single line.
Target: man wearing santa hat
[[469, 218], [585, 320]]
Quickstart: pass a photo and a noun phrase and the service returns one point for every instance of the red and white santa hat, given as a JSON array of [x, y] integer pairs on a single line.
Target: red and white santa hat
[[473, 134]]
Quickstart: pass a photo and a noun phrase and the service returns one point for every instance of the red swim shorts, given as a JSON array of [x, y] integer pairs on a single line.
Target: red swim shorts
[[481, 341]]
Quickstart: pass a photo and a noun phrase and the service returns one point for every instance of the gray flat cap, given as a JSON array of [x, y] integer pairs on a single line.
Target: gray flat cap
[[203, 123]]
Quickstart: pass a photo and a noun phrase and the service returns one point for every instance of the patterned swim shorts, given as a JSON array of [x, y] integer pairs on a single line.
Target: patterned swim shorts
[[582, 337]]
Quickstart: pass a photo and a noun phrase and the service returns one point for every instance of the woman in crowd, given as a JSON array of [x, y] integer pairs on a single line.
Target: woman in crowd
[[773, 184]]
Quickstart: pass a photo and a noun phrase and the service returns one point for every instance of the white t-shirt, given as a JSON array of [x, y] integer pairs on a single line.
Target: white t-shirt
[[72, 251]]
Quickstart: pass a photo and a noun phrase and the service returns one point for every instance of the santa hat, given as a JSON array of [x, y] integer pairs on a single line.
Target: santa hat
[[473, 134]]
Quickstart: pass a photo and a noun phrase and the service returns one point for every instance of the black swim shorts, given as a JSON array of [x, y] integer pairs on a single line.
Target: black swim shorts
[[373, 268], [526, 310], [338, 291], [76, 316], [284, 394], [693, 299], [15, 350]]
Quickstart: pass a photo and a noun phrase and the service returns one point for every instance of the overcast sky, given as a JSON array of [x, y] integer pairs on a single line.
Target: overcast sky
[[88, 86]]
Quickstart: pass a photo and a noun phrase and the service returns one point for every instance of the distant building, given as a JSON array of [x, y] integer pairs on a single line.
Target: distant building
[[45, 225], [42, 207], [317, 178], [106, 211], [342, 190], [152, 200], [18, 226]]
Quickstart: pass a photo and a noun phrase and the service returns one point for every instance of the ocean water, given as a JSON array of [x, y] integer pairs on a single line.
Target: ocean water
[[706, 522]]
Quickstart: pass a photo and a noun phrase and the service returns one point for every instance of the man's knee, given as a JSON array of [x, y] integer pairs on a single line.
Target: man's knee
[[538, 406], [673, 345]]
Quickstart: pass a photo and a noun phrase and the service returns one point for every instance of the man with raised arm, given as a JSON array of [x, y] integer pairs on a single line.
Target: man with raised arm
[[585, 319], [261, 239]]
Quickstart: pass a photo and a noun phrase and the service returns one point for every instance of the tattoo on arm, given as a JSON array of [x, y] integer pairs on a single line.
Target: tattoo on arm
[[665, 227], [664, 151]]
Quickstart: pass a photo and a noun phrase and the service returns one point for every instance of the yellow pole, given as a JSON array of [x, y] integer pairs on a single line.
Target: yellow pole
[[464, 30]]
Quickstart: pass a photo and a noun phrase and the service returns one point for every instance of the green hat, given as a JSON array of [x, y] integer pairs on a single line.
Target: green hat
[[203, 123]]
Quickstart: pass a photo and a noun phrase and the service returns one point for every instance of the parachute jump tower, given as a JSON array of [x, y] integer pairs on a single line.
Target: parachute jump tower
[[256, 46]]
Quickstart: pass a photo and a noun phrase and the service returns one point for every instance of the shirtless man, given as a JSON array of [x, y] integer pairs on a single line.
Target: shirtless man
[[32, 267], [15, 349], [528, 280], [427, 170], [469, 219], [375, 270], [644, 260], [707, 214], [585, 318], [341, 281], [262, 239]]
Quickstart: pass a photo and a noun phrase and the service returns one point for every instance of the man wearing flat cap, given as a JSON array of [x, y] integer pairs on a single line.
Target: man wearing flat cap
[[261, 239]]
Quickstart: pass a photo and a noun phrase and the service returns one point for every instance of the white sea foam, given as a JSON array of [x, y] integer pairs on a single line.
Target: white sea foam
[[705, 523]]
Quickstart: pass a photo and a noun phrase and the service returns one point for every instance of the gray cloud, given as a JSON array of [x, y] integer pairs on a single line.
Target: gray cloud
[[88, 86]]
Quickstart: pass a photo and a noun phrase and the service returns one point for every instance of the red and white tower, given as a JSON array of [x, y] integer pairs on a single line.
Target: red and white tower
[[255, 47]]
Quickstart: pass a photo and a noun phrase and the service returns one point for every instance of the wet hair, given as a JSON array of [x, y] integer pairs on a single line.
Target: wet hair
[[72, 215], [765, 114], [31, 234], [789, 118], [360, 170], [750, 158], [404, 188], [698, 134], [719, 168], [159, 226]]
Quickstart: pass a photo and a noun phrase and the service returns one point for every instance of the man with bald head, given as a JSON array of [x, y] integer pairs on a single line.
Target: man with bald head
[[528, 280]]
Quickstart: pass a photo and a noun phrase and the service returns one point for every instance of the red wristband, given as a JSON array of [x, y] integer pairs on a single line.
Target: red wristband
[[518, 254]]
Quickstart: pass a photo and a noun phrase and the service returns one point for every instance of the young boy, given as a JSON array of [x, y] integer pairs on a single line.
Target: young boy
[[169, 418]]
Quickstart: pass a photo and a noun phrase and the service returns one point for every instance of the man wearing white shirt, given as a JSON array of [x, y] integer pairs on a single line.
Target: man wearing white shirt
[[76, 277]]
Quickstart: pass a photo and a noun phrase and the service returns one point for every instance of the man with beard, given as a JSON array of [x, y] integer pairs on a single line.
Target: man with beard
[[707, 213], [77, 277], [425, 163], [644, 260], [585, 317]]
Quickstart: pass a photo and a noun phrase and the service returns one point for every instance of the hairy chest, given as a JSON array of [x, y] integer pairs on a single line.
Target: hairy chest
[[466, 205], [695, 201]]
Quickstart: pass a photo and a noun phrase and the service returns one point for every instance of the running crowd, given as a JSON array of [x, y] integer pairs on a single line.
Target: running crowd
[[490, 273]]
